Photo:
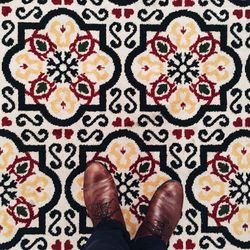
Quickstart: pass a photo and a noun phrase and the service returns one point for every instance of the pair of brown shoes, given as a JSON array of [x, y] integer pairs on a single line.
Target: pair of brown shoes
[[102, 203]]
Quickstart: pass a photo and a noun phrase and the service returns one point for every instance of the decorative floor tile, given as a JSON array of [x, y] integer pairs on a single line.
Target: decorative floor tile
[[153, 89]]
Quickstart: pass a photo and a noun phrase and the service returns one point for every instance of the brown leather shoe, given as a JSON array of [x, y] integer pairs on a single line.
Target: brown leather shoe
[[164, 212], [100, 195]]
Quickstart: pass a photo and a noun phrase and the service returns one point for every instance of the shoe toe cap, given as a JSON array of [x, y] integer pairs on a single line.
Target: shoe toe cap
[[171, 192], [173, 188], [94, 173]]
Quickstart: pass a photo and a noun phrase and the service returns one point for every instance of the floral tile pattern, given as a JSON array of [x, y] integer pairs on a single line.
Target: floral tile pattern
[[24, 189], [153, 89], [61, 66], [224, 188], [135, 171], [183, 67]]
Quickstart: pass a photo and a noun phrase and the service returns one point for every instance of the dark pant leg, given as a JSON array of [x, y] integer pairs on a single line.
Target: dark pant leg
[[149, 243], [109, 235]]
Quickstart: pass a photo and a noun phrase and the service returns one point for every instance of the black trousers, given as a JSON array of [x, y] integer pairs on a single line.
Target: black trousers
[[112, 235]]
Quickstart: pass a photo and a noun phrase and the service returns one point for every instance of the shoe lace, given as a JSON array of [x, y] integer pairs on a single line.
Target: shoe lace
[[102, 211], [157, 228]]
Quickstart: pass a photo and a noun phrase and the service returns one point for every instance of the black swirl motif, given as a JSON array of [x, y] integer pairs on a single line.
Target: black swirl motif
[[69, 162], [161, 136], [22, 119], [192, 229], [53, 229], [192, 149], [21, 13], [71, 228], [41, 136], [115, 28], [222, 16], [101, 15], [145, 16], [207, 241], [222, 120], [217, 134], [130, 107], [143, 120], [217, 3], [54, 150], [178, 230], [131, 28], [236, 107], [174, 150], [39, 243], [84, 137], [8, 107], [235, 29], [88, 121], [115, 105], [10, 27]]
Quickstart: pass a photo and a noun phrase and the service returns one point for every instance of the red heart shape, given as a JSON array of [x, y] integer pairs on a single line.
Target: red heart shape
[[117, 122], [189, 3], [178, 244], [190, 245], [177, 133], [247, 13], [238, 122], [238, 13], [57, 133], [189, 133], [68, 133], [128, 12], [177, 2], [6, 10], [117, 13], [68, 245], [68, 2], [57, 245], [6, 122], [128, 122], [57, 1], [247, 122]]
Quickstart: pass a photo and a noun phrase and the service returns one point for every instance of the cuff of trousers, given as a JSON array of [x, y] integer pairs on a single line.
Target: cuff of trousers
[[149, 242], [113, 225]]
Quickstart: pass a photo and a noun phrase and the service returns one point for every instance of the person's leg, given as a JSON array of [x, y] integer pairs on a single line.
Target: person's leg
[[109, 235], [103, 208], [148, 243], [162, 217]]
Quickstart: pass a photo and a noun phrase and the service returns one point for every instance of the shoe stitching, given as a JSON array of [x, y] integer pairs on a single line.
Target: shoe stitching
[[102, 211], [157, 227]]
